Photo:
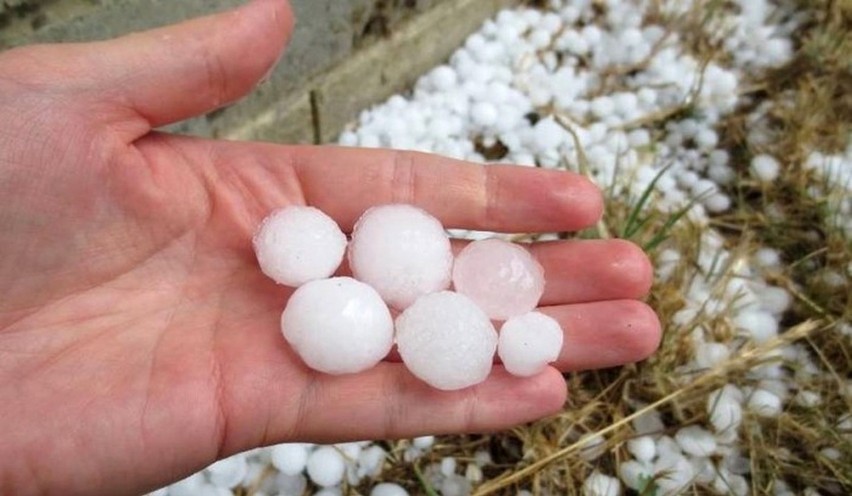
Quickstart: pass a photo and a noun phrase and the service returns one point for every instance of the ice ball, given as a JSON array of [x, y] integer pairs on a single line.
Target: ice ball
[[296, 244], [402, 251], [446, 340], [338, 325], [326, 466], [290, 458], [388, 489], [528, 343], [501, 277]]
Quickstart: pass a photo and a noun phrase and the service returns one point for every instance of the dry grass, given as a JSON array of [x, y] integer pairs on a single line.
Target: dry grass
[[813, 111]]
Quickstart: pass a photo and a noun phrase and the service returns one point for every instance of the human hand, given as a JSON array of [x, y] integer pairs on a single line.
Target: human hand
[[139, 341]]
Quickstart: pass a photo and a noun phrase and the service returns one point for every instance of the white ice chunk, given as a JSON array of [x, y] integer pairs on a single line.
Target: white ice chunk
[[528, 343], [338, 325]]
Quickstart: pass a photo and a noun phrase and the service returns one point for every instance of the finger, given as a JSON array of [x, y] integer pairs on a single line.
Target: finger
[[387, 402], [592, 270], [165, 75], [605, 334], [344, 182], [599, 335]]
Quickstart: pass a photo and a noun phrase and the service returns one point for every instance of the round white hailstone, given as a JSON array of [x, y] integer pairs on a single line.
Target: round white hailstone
[[765, 168], [808, 399], [328, 492], [765, 403], [761, 326], [288, 485], [290, 458], [348, 138], [326, 466], [501, 277], [676, 474], [767, 257], [717, 203], [388, 489], [228, 472], [831, 453], [187, 487], [402, 252], [776, 300], [448, 466], [370, 461], [338, 325], [446, 340], [207, 489], [696, 441], [635, 475], [706, 139], [599, 484], [473, 473], [639, 138], [548, 134], [423, 442], [444, 78], [295, 245], [704, 469], [484, 114], [643, 448], [603, 106], [350, 451], [721, 174], [528, 343], [725, 408], [455, 485], [593, 446], [728, 483], [708, 355]]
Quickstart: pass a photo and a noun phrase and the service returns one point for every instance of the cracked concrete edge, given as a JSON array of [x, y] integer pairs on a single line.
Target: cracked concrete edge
[[321, 109]]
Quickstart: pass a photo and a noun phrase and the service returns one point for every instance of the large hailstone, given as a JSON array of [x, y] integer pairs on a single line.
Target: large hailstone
[[295, 245], [446, 340], [528, 343], [401, 251], [501, 277], [338, 325]]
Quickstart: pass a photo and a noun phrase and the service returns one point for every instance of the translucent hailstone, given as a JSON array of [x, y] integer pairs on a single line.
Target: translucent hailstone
[[228, 472], [599, 484], [295, 245], [528, 343], [696, 441], [761, 326], [765, 168], [401, 251], [635, 474], [326, 466], [725, 408], [446, 340], [388, 489], [765, 403], [290, 458], [338, 325], [501, 277], [643, 448]]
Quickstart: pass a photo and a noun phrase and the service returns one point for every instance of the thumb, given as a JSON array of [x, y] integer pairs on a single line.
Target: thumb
[[180, 71], [152, 78]]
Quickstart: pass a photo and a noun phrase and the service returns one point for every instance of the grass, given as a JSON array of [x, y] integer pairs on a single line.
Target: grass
[[813, 111]]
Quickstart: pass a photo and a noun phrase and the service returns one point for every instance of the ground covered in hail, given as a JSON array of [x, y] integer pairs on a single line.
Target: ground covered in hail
[[720, 132]]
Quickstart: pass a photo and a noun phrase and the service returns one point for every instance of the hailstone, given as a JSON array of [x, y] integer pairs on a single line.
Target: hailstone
[[446, 340], [326, 466], [296, 244], [402, 251], [501, 277], [528, 343], [338, 325]]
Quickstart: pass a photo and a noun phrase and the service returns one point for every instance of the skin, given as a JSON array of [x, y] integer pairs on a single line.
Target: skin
[[139, 342]]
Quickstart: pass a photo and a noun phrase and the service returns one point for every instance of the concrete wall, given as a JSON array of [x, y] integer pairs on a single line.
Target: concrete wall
[[344, 55]]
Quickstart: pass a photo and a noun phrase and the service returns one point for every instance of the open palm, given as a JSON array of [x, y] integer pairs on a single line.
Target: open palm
[[138, 339]]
